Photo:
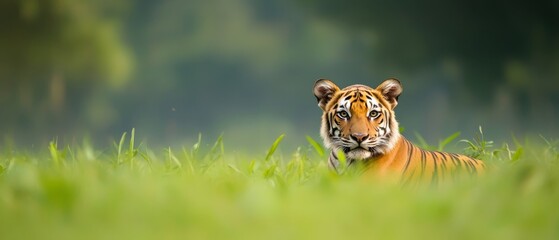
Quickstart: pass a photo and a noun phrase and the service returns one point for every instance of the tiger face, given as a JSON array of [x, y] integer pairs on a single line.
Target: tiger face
[[358, 120]]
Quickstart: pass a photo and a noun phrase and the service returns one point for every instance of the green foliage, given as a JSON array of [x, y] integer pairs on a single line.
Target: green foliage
[[446, 141], [317, 147], [74, 40], [273, 147], [203, 191], [479, 146], [57, 156], [126, 157], [442, 143]]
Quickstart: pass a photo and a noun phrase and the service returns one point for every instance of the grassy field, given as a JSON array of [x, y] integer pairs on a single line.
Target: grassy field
[[130, 191]]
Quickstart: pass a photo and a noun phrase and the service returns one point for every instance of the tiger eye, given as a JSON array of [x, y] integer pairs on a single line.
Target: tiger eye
[[343, 114], [374, 114]]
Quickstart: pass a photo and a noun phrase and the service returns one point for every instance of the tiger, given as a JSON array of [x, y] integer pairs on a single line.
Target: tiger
[[360, 123]]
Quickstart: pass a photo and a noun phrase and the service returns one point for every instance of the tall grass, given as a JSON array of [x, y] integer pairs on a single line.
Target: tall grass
[[134, 192]]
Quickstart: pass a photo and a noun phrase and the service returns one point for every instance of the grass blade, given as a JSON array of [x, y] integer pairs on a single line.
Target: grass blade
[[131, 151], [196, 147], [251, 167], [270, 172], [119, 149], [317, 147], [447, 140], [274, 147], [342, 159], [215, 155], [231, 166], [174, 159], [53, 152], [517, 154], [422, 142], [58, 156]]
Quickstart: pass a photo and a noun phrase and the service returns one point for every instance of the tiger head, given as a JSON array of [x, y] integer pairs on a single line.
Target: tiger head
[[359, 120]]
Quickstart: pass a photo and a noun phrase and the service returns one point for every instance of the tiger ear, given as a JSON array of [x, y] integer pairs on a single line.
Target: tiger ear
[[324, 90], [391, 89]]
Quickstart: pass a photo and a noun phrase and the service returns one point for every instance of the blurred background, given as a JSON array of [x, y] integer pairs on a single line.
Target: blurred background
[[74, 69]]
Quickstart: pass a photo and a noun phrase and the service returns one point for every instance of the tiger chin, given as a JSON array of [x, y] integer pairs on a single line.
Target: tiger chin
[[360, 122]]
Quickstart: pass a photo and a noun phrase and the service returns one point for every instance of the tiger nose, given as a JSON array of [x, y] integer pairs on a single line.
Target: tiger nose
[[359, 137]]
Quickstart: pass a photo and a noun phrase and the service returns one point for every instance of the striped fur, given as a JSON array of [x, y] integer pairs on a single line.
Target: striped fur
[[360, 122]]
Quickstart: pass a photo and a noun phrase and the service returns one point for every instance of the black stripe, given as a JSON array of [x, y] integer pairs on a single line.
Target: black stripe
[[333, 160], [407, 180], [456, 159], [474, 162], [479, 163], [454, 164], [469, 167], [474, 169], [328, 124], [410, 146], [443, 165], [457, 164], [469, 157], [334, 155], [435, 176], [423, 162], [466, 165]]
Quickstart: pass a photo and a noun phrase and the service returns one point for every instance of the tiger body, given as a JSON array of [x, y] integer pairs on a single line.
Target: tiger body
[[360, 122]]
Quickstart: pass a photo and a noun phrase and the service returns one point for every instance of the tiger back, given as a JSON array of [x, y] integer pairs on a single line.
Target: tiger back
[[359, 122]]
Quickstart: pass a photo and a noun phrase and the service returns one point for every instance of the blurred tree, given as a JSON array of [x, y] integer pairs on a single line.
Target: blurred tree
[[486, 45], [218, 65], [54, 55]]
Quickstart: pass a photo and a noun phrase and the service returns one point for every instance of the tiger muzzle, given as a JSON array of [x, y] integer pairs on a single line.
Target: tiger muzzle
[[359, 137]]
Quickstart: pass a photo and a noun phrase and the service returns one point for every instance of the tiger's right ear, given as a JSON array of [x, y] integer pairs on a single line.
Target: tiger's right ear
[[324, 90]]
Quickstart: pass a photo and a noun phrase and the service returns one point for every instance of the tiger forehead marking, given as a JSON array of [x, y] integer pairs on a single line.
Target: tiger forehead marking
[[358, 101], [358, 104]]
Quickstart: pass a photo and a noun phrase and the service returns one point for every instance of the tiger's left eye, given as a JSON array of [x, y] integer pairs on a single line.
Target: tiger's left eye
[[343, 114], [374, 114]]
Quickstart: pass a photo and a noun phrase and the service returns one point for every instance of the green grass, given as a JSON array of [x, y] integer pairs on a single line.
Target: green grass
[[133, 192]]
